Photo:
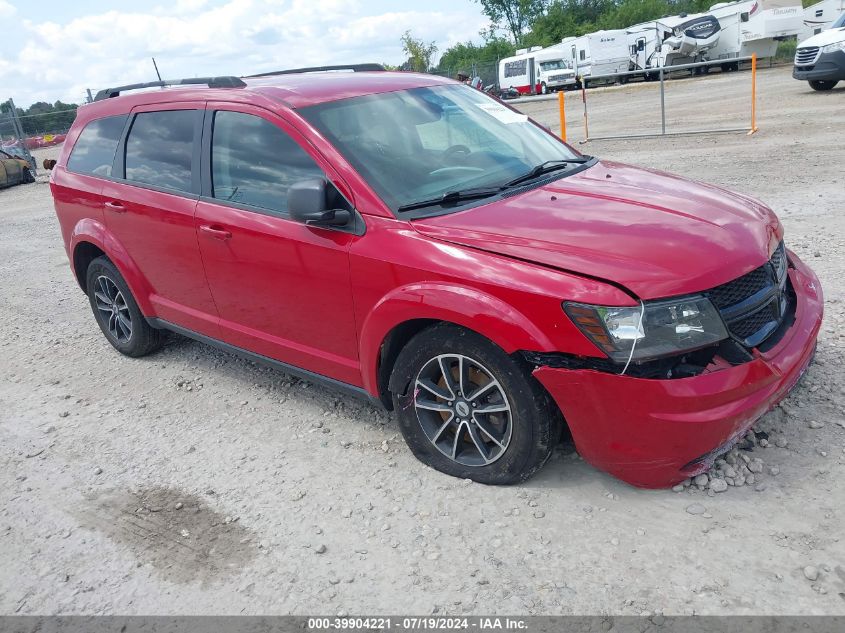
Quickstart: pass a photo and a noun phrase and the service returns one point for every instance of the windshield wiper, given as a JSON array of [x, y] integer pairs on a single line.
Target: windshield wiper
[[451, 197], [460, 195], [546, 167]]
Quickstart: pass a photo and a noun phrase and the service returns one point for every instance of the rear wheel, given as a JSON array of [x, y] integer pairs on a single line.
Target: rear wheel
[[27, 177], [469, 410], [117, 313], [822, 85]]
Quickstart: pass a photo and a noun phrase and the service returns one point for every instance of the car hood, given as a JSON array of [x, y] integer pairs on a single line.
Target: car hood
[[830, 36], [656, 234]]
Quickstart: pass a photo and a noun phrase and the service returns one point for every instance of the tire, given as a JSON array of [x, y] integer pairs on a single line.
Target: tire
[[505, 445], [544, 89], [27, 177], [117, 313], [822, 85]]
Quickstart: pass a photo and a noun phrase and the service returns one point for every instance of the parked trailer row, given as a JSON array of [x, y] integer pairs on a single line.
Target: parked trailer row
[[728, 31]]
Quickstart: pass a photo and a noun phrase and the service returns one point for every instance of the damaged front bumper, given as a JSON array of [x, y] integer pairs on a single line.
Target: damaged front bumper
[[654, 433]]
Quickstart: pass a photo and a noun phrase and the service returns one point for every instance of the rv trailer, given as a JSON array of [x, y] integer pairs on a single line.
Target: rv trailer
[[818, 17], [754, 26], [597, 54], [673, 40]]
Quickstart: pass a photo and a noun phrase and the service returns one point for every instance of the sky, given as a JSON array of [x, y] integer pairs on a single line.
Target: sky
[[55, 49]]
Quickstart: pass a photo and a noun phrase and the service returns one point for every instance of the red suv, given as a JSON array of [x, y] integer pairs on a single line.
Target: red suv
[[414, 241]]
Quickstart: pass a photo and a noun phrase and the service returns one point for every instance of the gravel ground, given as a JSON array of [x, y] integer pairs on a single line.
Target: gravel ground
[[195, 482]]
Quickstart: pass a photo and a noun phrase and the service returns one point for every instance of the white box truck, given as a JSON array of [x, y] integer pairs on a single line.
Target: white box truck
[[536, 70]]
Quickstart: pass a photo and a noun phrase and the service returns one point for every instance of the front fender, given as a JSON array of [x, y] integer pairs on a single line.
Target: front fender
[[92, 231], [468, 307]]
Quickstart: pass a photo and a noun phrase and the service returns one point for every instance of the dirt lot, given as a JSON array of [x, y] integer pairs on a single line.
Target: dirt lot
[[195, 482]]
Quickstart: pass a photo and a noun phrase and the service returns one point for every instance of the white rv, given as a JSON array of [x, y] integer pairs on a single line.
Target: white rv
[[673, 40], [754, 26], [536, 70], [599, 53], [819, 17]]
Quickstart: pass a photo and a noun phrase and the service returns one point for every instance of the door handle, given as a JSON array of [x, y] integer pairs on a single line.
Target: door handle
[[117, 207], [216, 232]]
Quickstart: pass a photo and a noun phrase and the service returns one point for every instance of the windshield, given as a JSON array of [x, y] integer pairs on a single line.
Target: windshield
[[840, 22], [418, 144], [558, 64]]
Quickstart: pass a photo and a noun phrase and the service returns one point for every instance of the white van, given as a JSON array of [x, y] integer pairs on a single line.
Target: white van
[[820, 60]]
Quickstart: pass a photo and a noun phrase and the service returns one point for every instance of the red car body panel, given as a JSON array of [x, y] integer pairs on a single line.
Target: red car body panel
[[326, 301], [673, 427], [656, 234]]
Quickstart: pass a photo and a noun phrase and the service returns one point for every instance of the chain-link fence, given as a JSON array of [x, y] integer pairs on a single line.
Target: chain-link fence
[[486, 71], [40, 125]]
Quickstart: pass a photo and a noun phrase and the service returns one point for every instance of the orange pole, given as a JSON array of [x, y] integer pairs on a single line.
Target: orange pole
[[562, 109], [753, 94]]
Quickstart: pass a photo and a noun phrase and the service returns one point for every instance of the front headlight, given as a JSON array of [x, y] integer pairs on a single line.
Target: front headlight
[[667, 327], [833, 48]]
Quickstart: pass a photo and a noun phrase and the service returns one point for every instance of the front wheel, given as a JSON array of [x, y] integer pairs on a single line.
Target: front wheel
[[27, 177], [468, 409], [544, 89], [822, 85]]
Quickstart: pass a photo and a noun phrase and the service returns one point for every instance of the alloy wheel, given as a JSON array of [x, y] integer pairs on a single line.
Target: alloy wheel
[[463, 410], [112, 309]]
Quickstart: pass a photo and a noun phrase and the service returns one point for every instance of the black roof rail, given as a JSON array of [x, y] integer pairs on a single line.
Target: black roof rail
[[358, 68], [211, 82]]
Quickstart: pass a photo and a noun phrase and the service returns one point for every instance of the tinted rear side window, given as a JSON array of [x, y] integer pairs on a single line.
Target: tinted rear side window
[[159, 149], [95, 148], [254, 162]]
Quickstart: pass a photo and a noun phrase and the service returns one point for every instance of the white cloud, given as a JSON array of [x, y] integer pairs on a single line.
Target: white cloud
[[191, 38], [6, 9]]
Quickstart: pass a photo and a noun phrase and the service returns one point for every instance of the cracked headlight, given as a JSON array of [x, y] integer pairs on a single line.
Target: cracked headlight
[[667, 327]]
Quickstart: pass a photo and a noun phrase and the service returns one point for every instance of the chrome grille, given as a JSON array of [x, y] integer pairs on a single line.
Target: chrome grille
[[806, 56], [559, 77], [754, 305]]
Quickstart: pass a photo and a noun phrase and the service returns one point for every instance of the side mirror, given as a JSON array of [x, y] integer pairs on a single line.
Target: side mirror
[[307, 204]]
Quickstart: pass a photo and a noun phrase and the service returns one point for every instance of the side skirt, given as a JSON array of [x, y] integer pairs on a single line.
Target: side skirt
[[331, 383]]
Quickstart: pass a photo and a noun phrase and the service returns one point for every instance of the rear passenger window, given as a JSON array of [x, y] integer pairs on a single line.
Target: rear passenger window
[[160, 147], [95, 148], [254, 162]]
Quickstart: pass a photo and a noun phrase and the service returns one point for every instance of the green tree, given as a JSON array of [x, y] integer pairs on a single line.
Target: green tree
[[629, 12], [517, 15], [461, 57], [565, 18], [419, 53]]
